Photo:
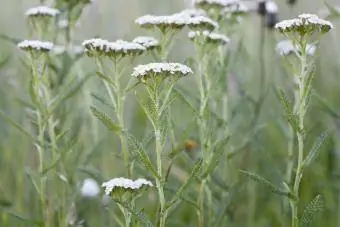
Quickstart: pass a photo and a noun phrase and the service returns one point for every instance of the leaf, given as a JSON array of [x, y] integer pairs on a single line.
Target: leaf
[[101, 100], [268, 184], [312, 209], [216, 157], [105, 78], [314, 152], [180, 95], [194, 174], [137, 213], [136, 146], [287, 105], [16, 125], [106, 120]]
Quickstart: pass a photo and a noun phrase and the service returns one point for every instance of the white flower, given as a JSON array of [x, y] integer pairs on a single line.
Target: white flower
[[194, 12], [304, 24], [286, 47], [209, 37], [153, 69], [146, 41], [124, 183], [96, 45], [120, 48], [271, 7], [201, 22], [35, 45], [174, 21], [42, 11], [214, 3], [90, 188]]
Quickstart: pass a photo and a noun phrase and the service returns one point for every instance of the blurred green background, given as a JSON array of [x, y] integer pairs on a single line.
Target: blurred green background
[[250, 204]]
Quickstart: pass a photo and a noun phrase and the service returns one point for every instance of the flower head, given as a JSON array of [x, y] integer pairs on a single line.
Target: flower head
[[95, 47], [143, 72], [174, 21], [117, 49], [121, 48], [42, 11], [286, 47], [90, 188], [201, 23], [218, 4], [194, 12], [206, 37], [305, 24], [125, 184], [35, 45], [146, 41]]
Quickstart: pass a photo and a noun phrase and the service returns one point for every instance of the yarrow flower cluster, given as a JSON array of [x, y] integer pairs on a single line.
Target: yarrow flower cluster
[[214, 3], [305, 24], [43, 11], [125, 184], [201, 23], [286, 47], [208, 37], [143, 72], [119, 48], [177, 21], [194, 12], [148, 42], [35, 45]]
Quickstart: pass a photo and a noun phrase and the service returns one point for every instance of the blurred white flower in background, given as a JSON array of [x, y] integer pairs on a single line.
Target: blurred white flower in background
[[90, 188]]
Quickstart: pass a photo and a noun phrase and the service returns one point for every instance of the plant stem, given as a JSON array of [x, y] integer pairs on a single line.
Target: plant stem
[[301, 109], [40, 138]]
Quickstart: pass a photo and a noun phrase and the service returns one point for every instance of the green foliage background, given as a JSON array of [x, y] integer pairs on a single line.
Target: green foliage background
[[261, 149]]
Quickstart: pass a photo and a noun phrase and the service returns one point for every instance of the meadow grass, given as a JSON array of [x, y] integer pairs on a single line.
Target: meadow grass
[[206, 124]]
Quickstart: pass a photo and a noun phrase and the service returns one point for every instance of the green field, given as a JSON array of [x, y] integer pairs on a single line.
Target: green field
[[224, 145]]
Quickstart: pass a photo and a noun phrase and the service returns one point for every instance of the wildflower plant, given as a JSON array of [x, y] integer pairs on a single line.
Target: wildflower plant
[[125, 192], [300, 31], [158, 80], [41, 19], [115, 52]]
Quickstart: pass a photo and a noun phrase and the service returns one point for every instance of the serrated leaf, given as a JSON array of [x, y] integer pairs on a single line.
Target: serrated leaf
[[137, 147], [312, 209], [268, 184], [101, 99], [314, 152], [106, 120], [194, 174], [105, 78], [216, 157], [288, 109], [137, 213]]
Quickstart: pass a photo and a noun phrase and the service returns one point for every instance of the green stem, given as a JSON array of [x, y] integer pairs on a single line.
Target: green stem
[[301, 109], [200, 213]]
